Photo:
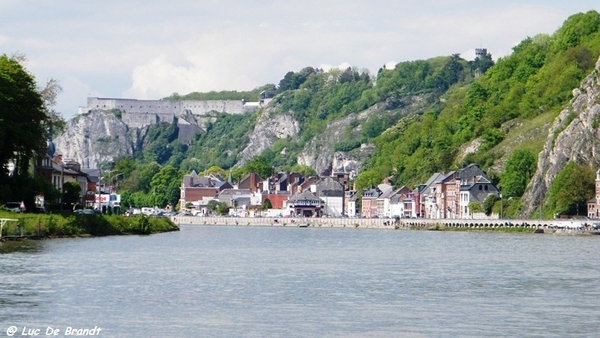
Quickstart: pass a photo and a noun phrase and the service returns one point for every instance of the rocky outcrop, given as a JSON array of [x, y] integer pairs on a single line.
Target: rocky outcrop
[[269, 128], [574, 136], [100, 135], [320, 153], [96, 137]]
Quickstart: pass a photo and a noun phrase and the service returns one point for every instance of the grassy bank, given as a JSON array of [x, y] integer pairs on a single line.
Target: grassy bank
[[57, 225]]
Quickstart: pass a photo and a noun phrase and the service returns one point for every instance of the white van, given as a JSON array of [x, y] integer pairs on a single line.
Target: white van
[[148, 211]]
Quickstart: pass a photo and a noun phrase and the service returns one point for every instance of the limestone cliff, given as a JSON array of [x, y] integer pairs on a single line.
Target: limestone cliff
[[96, 137], [320, 154], [574, 136], [102, 135], [269, 128]]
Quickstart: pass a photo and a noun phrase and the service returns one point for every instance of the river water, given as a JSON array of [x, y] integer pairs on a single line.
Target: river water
[[220, 281]]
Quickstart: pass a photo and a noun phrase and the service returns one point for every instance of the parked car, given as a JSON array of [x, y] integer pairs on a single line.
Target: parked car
[[13, 206], [575, 226]]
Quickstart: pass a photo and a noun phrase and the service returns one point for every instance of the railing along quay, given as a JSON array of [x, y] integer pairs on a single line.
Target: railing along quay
[[379, 223], [537, 224], [389, 223]]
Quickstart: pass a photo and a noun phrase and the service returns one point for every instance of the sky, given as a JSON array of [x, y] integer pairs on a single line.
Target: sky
[[150, 49]]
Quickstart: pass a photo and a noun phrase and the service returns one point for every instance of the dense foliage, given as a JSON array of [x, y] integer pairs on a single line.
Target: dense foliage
[[537, 78], [224, 139], [518, 170], [222, 95], [571, 190], [56, 225], [26, 116]]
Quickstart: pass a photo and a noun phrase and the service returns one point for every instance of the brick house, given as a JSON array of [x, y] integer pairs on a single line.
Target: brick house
[[369, 202], [195, 189]]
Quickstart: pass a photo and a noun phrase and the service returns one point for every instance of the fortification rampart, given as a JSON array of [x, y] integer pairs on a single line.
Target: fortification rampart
[[175, 108], [140, 113]]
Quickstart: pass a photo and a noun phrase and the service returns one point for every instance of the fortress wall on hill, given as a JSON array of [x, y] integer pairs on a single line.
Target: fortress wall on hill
[[175, 108], [137, 120]]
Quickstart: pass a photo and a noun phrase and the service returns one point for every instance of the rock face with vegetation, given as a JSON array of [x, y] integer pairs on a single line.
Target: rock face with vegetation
[[269, 128], [343, 147], [97, 137], [573, 137]]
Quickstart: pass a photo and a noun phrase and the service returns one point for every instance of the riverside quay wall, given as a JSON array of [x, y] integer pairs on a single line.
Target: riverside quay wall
[[371, 223], [389, 224]]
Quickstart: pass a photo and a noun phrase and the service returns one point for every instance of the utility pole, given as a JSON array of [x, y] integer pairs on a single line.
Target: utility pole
[[62, 184], [501, 204]]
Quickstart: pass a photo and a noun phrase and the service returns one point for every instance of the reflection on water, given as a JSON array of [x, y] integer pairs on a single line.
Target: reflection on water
[[19, 278], [9, 246], [291, 282]]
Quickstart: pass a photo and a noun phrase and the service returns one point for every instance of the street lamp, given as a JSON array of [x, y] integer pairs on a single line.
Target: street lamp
[[62, 184], [501, 204], [110, 177]]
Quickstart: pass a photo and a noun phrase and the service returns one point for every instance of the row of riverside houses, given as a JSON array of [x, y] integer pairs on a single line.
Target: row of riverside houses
[[58, 171], [442, 196], [292, 194]]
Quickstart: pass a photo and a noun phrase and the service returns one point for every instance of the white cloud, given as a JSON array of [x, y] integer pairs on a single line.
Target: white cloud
[[184, 46]]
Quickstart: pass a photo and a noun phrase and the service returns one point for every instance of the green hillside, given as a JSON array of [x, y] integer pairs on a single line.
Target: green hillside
[[501, 115], [528, 87]]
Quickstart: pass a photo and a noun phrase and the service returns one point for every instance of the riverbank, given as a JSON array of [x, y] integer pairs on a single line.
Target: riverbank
[[524, 226], [359, 223], [39, 226]]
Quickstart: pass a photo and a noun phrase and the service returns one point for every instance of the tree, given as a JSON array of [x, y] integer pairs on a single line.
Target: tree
[[49, 93], [259, 165], [475, 207], [216, 207], [571, 189], [217, 170], [165, 185], [519, 169], [302, 169], [222, 208], [266, 204], [489, 202], [71, 194], [22, 116]]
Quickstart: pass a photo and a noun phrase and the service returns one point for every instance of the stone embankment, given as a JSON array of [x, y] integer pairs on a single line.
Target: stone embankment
[[370, 223], [540, 226]]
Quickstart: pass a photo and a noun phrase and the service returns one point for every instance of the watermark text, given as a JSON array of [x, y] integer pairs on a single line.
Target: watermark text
[[15, 331]]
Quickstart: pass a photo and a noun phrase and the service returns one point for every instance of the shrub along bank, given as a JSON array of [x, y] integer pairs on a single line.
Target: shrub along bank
[[56, 225]]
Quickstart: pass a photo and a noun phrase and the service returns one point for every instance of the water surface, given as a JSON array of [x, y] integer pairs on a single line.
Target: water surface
[[221, 281]]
